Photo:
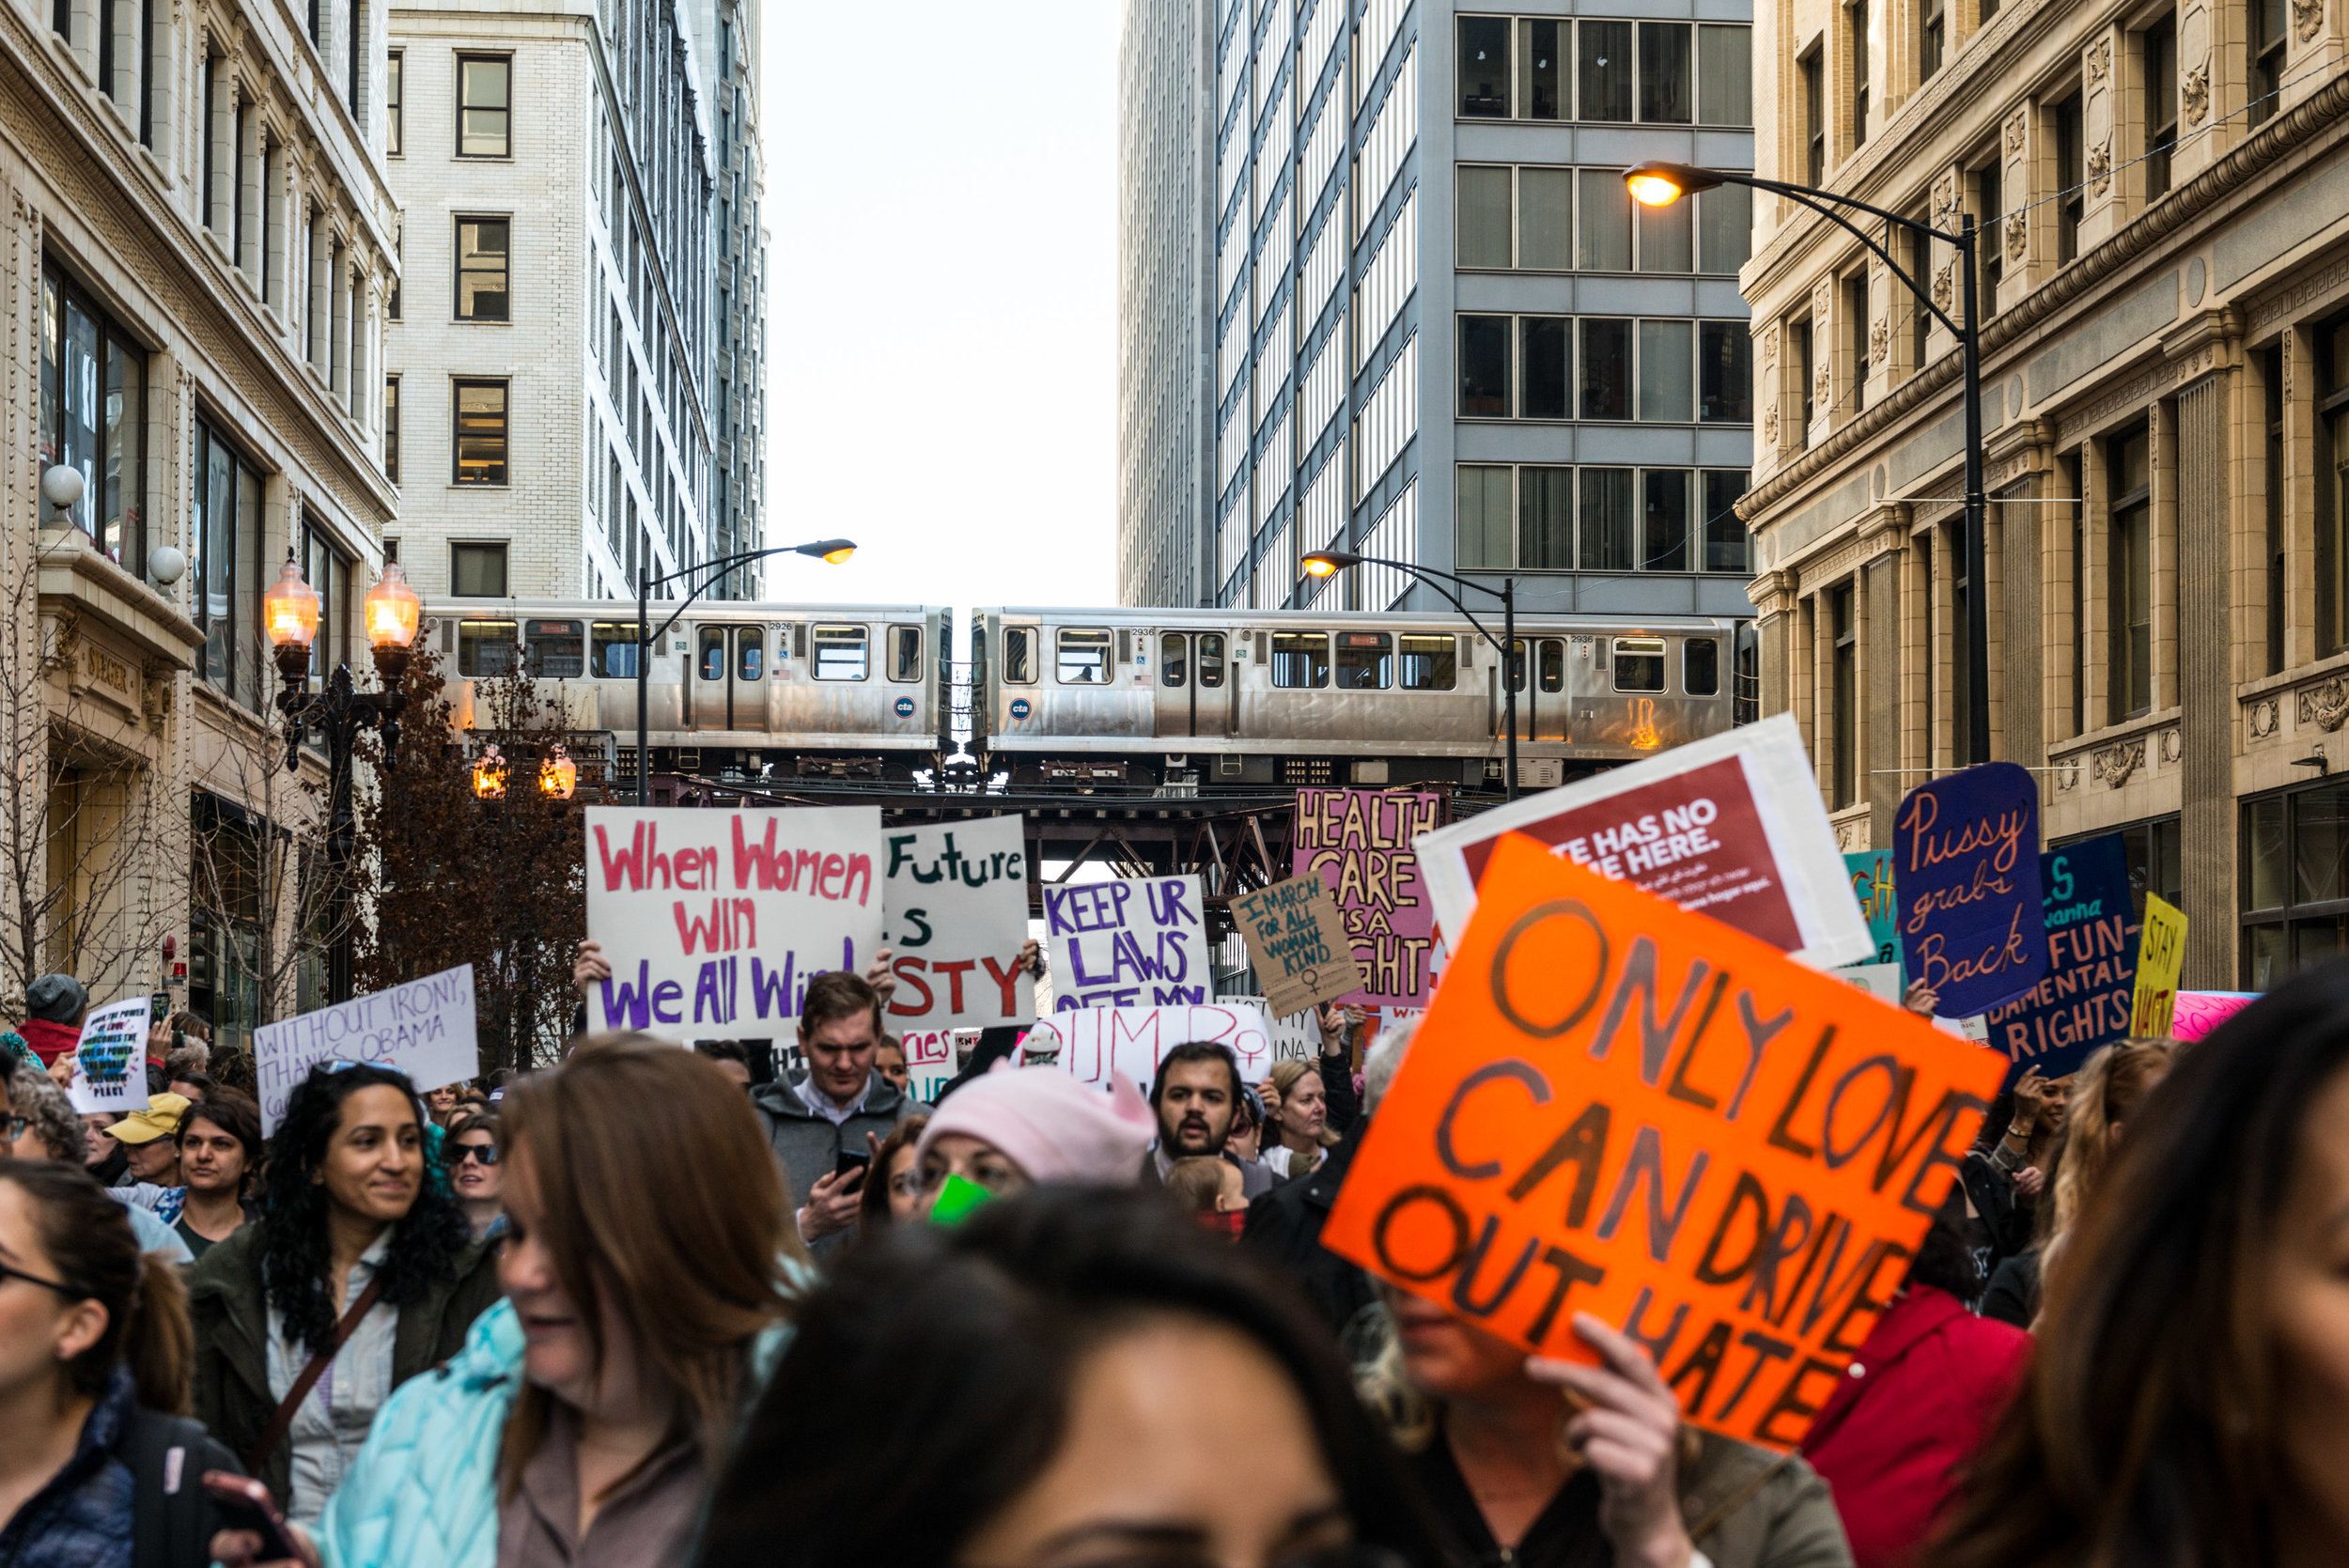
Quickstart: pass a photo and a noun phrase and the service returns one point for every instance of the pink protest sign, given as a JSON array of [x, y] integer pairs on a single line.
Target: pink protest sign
[[2199, 1012], [1360, 843]]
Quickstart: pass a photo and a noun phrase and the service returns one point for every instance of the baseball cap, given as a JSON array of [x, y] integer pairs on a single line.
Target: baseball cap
[[161, 1119]]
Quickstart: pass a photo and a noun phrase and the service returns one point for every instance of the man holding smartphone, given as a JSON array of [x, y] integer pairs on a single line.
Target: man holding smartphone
[[818, 1123]]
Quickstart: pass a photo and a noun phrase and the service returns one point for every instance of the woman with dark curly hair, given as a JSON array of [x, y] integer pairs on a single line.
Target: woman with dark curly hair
[[358, 1275]]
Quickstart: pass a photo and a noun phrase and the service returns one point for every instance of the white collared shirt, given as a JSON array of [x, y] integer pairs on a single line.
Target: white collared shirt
[[820, 1103], [336, 1415]]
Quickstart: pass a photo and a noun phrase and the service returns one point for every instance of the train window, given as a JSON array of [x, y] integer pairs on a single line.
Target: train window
[[711, 663], [840, 653], [1639, 663], [1020, 655], [1084, 657], [1700, 667], [750, 654], [904, 653], [614, 646], [1300, 659], [485, 648], [1551, 669], [557, 652], [1429, 664], [1366, 662], [1516, 665], [1211, 659], [1173, 669]]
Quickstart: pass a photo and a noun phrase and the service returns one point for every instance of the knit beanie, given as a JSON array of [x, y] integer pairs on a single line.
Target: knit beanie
[[1052, 1126]]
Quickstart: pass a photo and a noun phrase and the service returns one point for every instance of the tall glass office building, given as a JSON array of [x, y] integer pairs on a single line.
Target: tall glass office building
[[1440, 332]]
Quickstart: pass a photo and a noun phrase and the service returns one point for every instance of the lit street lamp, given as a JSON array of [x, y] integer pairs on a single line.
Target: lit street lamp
[[829, 552], [1656, 183], [1326, 563], [289, 612]]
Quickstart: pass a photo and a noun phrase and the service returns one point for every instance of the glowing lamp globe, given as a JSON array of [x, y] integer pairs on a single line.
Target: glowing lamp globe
[[394, 610], [289, 609]]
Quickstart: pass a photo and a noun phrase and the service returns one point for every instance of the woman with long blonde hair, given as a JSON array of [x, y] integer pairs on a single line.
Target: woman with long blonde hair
[[1299, 1124]]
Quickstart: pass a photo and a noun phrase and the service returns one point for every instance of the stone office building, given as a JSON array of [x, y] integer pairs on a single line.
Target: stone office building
[[2163, 189]]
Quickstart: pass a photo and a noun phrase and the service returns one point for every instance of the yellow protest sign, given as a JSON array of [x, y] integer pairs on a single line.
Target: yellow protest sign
[[1617, 1107], [2160, 960]]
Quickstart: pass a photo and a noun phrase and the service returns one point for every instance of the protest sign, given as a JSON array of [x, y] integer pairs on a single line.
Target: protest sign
[[424, 1029], [2083, 1001], [1617, 1107], [1360, 843], [1870, 872], [1138, 942], [929, 1060], [1965, 872], [711, 919], [2160, 960], [1295, 1037], [1297, 944], [1729, 826], [110, 1063], [2197, 1013], [1096, 1040], [954, 909]]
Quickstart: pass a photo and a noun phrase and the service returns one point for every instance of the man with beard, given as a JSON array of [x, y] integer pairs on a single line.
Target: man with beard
[[1195, 1094]]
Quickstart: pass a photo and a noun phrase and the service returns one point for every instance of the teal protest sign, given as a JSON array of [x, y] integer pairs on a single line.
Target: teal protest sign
[[1871, 884]]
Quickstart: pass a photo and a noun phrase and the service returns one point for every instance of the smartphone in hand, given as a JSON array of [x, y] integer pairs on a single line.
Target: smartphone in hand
[[245, 1504], [851, 1163]]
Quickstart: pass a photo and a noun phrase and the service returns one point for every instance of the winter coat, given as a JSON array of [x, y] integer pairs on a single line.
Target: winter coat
[[424, 1489], [86, 1515], [1284, 1229], [1922, 1395], [230, 1313], [808, 1146]]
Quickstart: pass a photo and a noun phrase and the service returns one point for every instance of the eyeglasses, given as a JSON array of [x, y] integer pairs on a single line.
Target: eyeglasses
[[65, 1290], [906, 1183], [486, 1153]]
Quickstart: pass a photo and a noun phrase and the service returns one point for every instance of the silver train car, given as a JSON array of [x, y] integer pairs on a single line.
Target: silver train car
[[740, 690], [1093, 698], [1184, 697]]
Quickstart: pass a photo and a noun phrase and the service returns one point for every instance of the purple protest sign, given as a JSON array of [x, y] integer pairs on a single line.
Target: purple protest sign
[[1359, 842], [1965, 874]]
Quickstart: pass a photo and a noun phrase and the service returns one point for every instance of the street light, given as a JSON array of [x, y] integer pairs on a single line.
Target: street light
[[558, 775], [830, 551], [289, 612], [488, 773], [1327, 562], [1659, 183]]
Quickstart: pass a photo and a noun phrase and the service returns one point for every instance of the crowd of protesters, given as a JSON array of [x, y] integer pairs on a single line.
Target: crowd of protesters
[[653, 1306]]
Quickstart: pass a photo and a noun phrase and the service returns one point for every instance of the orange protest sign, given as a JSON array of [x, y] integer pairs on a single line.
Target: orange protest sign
[[1616, 1107]]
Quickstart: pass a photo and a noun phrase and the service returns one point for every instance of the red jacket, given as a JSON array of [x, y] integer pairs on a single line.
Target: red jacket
[[1921, 1397]]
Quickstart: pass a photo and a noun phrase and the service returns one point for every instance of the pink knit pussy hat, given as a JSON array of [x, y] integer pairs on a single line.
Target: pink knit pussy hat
[[1052, 1126]]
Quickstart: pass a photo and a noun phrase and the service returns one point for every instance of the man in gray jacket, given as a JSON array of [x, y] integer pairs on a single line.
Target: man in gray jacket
[[831, 1108]]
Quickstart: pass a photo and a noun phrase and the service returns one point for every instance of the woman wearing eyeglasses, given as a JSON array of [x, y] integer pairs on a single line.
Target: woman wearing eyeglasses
[[472, 1152], [893, 1191], [93, 1372]]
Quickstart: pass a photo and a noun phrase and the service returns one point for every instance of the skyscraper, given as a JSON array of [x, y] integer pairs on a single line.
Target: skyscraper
[[1441, 335]]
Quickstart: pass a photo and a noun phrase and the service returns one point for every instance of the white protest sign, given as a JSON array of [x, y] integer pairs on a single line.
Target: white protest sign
[[1095, 1041], [929, 1060], [110, 1064], [1295, 1038], [955, 912], [1730, 825], [1138, 942], [424, 1029], [714, 920]]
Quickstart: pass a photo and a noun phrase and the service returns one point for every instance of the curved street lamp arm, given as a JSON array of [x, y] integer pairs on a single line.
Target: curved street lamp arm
[[720, 566], [1430, 576], [1805, 197]]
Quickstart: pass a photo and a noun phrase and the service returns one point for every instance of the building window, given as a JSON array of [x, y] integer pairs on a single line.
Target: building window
[[1485, 226], [1918, 257], [1604, 72], [1856, 19], [481, 433], [483, 254], [1844, 629], [2160, 60], [1725, 537], [390, 429], [1550, 518], [1542, 360], [1607, 368], [2267, 58], [1798, 342], [327, 571], [2070, 179], [1725, 76], [2132, 575], [1485, 366], [1544, 519], [1932, 31], [2271, 367], [1667, 372], [1724, 229], [395, 124], [1482, 520], [227, 565], [1855, 303], [1989, 243], [1679, 74], [1484, 68], [1724, 373], [93, 418], [1665, 95], [476, 571], [2294, 881], [484, 95], [1813, 83], [2331, 565]]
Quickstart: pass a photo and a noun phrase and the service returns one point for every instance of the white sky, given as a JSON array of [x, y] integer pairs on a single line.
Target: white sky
[[941, 372]]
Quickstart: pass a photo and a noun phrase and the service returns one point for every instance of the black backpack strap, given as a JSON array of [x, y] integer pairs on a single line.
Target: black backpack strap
[[172, 1516]]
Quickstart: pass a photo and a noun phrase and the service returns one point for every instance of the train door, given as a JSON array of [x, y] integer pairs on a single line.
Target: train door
[[729, 677], [1542, 699], [1194, 694]]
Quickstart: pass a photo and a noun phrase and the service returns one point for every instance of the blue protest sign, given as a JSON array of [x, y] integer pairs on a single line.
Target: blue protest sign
[[1965, 878], [2083, 1001], [1871, 884]]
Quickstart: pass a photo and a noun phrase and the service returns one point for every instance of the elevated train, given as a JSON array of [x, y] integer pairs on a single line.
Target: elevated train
[[1138, 699]]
